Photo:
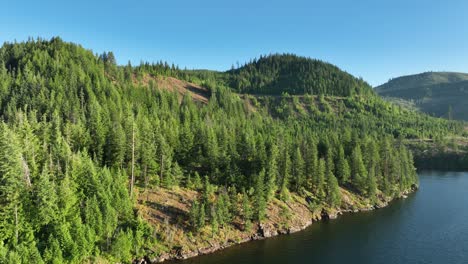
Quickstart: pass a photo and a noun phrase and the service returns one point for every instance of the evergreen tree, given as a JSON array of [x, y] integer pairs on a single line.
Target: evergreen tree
[[45, 199], [272, 172], [194, 215], [358, 170], [342, 167], [201, 217], [214, 222], [260, 201], [284, 192], [246, 209], [333, 190], [321, 181], [298, 170], [12, 187]]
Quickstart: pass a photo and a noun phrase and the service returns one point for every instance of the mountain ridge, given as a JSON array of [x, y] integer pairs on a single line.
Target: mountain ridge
[[441, 94]]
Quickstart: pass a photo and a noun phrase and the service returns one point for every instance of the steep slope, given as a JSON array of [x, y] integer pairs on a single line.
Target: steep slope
[[442, 94], [171, 84]]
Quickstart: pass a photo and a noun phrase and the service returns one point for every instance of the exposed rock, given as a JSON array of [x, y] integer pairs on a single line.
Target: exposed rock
[[294, 229], [162, 257], [207, 250], [187, 254], [257, 236], [327, 215], [266, 230]]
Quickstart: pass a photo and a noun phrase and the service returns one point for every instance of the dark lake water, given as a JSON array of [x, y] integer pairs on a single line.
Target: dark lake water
[[430, 226]]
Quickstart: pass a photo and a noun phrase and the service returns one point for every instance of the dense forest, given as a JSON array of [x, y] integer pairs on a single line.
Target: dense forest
[[287, 73], [274, 74], [441, 94], [81, 138]]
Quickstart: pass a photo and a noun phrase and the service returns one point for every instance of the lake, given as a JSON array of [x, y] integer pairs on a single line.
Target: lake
[[430, 226]]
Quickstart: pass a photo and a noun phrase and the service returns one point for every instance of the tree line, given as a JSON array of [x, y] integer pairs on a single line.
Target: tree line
[[79, 137]]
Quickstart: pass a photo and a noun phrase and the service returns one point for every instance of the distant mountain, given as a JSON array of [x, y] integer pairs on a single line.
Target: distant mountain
[[287, 73], [442, 94]]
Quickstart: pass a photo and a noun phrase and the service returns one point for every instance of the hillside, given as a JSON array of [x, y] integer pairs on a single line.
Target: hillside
[[108, 163], [441, 94], [286, 73], [274, 74]]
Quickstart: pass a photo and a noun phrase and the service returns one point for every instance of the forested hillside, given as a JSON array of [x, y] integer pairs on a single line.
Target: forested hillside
[[275, 74], [86, 143], [286, 73], [441, 94]]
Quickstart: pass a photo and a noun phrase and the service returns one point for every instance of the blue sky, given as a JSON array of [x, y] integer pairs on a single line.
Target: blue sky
[[376, 39]]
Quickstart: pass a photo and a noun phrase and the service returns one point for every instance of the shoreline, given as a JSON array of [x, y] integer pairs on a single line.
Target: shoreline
[[264, 231]]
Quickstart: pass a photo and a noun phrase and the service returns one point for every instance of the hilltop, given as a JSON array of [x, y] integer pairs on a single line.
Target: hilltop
[[274, 74], [287, 73]]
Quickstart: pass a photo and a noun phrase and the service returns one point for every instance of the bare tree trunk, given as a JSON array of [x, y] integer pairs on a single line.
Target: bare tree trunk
[[16, 223], [146, 181], [161, 169], [26, 172], [132, 182]]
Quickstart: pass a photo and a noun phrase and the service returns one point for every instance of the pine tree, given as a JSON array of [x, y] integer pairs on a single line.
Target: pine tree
[[372, 158], [298, 169], [197, 182], [194, 215], [260, 201], [115, 146], [12, 187], [333, 190], [45, 199], [358, 170], [246, 209], [284, 192], [342, 167], [53, 253], [233, 200], [272, 172], [371, 183], [224, 208], [122, 246], [312, 166], [214, 221], [201, 217], [321, 181]]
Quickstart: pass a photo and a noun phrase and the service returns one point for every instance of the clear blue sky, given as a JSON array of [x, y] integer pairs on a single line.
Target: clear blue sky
[[375, 39]]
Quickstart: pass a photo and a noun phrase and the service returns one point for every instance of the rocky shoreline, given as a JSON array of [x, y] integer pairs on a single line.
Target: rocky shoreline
[[264, 231]]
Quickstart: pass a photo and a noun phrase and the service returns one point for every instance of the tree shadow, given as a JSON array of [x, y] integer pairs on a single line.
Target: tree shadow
[[173, 215]]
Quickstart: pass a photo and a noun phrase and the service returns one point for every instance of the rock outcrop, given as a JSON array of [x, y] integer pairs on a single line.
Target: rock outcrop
[[271, 229]]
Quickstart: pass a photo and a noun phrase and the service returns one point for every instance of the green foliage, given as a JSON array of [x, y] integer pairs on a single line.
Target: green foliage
[[272, 173], [122, 246], [194, 215], [246, 209], [280, 73], [224, 209], [358, 170], [78, 131], [260, 198], [442, 94], [333, 189], [342, 167]]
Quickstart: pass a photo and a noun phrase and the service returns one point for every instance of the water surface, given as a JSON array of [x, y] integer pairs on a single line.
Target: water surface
[[430, 226]]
